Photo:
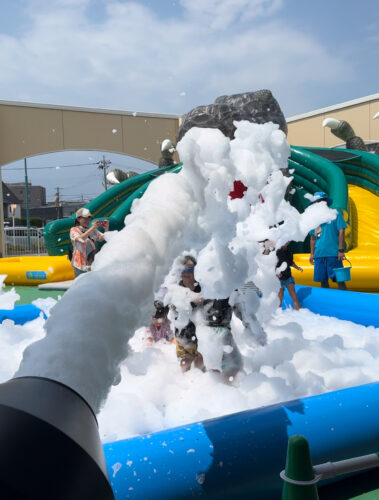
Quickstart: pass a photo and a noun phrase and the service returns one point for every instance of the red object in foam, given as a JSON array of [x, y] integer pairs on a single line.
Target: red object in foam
[[239, 189]]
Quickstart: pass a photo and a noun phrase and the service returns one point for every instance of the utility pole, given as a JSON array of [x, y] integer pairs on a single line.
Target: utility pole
[[104, 164], [57, 200], [27, 203], [56, 197]]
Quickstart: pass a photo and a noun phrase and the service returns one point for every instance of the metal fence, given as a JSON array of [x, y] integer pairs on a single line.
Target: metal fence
[[18, 242]]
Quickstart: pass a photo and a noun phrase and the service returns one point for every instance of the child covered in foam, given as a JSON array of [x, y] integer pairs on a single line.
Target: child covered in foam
[[160, 328]]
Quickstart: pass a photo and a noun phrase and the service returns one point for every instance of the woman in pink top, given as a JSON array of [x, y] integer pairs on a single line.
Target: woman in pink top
[[83, 240]]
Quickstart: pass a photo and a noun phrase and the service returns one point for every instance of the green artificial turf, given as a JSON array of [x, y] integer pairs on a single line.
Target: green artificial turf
[[29, 293]]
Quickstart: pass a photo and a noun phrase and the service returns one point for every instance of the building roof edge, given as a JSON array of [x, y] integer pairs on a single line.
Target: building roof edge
[[87, 110], [335, 107]]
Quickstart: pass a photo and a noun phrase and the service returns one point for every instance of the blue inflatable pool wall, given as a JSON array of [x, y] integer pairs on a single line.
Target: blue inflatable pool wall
[[241, 455], [361, 308], [21, 314]]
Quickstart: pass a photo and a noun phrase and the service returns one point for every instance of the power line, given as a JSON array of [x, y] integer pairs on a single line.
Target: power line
[[76, 195], [44, 168], [132, 167], [129, 167]]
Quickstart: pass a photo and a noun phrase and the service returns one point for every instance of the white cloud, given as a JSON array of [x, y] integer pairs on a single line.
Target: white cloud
[[222, 13], [133, 59]]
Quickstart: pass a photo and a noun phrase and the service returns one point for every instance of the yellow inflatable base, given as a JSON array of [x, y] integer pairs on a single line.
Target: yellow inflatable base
[[34, 271], [364, 272]]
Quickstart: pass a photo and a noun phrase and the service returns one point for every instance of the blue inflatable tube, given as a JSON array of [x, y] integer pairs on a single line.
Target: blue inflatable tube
[[241, 455], [359, 307], [21, 314]]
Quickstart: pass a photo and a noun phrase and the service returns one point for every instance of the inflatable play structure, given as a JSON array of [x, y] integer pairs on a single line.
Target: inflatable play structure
[[242, 455], [32, 271], [238, 456], [350, 177]]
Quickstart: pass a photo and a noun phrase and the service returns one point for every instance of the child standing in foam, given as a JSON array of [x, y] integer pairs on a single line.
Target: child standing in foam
[[328, 246], [186, 339], [160, 328], [283, 271]]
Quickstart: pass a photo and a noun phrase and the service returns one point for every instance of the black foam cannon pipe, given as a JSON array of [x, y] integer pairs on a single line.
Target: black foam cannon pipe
[[50, 446]]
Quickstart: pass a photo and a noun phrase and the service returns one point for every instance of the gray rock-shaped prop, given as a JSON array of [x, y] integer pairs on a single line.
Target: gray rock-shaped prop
[[166, 159], [346, 132], [256, 107], [115, 176], [167, 153]]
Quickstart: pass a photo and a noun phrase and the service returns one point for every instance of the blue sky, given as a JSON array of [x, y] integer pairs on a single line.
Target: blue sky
[[170, 56]]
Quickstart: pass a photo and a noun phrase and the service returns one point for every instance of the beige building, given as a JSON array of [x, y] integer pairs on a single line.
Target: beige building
[[307, 129], [28, 129]]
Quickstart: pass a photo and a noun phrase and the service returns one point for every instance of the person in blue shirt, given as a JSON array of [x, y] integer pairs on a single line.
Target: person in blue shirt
[[328, 246]]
